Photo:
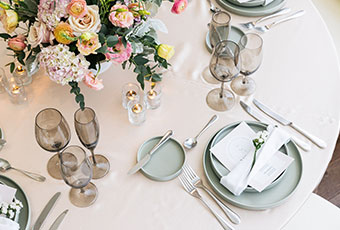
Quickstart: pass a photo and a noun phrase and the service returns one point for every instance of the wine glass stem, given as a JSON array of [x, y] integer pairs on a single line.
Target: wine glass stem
[[93, 158], [82, 190], [244, 79], [222, 88]]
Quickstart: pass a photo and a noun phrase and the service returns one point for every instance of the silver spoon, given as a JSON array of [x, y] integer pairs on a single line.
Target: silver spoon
[[5, 165], [192, 142]]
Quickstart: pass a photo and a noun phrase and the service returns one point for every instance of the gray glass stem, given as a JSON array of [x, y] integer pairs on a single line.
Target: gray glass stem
[[93, 157], [222, 87]]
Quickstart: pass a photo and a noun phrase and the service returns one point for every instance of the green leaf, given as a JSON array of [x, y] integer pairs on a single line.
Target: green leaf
[[101, 38], [156, 77], [124, 64], [79, 98], [158, 2], [140, 79], [5, 36], [112, 41], [124, 41], [102, 49], [103, 29], [12, 66], [140, 60]]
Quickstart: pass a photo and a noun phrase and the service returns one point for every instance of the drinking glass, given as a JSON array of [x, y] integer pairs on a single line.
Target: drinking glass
[[251, 57], [87, 128], [219, 30], [224, 66], [76, 171], [52, 134], [2, 79]]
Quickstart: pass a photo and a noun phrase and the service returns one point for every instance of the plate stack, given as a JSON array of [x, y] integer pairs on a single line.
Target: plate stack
[[275, 194], [252, 8]]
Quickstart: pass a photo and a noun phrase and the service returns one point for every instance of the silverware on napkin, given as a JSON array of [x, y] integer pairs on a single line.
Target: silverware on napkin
[[265, 28], [38, 223], [320, 143], [58, 221], [303, 145], [252, 24], [147, 157]]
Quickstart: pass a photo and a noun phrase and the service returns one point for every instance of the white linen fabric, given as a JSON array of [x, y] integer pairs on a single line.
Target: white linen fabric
[[238, 179]]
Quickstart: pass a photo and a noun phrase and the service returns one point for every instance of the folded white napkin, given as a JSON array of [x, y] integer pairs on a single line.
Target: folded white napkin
[[238, 179], [7, 224], [265, 2]]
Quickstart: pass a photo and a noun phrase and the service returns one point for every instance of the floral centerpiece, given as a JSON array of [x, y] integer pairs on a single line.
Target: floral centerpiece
[[70, 37]]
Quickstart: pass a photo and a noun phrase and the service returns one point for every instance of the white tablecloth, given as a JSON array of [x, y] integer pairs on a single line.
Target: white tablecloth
[[299, 78]]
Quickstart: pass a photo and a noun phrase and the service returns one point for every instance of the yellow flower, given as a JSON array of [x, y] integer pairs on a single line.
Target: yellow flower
[[165, 51], [63, 33], [9, 19]]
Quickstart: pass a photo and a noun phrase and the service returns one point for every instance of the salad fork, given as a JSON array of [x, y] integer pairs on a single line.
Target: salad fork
[[190, 174], [252, 24], [192, 190], [265, 28]]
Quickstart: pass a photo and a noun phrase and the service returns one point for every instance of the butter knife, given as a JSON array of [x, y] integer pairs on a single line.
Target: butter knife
[[320, 143], [45, 211], [58, 221], [147, 157], [303, 145]]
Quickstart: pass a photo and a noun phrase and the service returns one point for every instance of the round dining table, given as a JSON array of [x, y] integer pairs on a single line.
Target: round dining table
[[299, 77]]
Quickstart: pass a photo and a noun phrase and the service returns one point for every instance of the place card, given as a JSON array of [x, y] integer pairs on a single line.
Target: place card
[[235, 146], [7, 193]]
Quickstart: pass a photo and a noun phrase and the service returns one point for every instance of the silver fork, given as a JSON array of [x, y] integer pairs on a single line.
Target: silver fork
[[265, 28], [252, 24], [190, 188], [196, 180]]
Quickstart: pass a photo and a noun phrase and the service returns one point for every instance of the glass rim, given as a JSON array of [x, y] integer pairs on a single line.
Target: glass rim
[[84, 123], [218, 13], [251, 34], [227, 41], [54, 109]]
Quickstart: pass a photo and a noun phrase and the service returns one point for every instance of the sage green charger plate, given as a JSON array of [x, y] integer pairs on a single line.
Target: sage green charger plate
[[252, 11], [219, 168], [248, 4], [235, 36], [25, 213], [166, 163], [264, 200], [2, 136]]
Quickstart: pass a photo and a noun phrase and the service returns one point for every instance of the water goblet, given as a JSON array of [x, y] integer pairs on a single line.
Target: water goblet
[[76, 170], [251, 57], [224, 66], [52, 134], [219, 30], [87, 128]]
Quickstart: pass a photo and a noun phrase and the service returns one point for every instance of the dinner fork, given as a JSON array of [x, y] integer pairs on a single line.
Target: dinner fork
[[265, 28], [252, 24], [192, 190], [196, 180]]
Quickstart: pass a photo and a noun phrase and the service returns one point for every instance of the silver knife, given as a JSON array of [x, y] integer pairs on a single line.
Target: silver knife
[[147, 157], [320, 143], [45, 211], [58, 221], [303, 145]]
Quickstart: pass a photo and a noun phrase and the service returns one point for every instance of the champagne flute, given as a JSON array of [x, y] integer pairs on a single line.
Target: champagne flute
[[224, 66], [87, 128], [251, 55], [219, 30], [76, 171], [52, 134]]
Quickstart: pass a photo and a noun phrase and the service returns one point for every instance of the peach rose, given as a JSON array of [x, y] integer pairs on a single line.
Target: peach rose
[[63, 33], [38, 34], [9, 19], [17, 43], [77, 8], [89, 23], [93, 82]]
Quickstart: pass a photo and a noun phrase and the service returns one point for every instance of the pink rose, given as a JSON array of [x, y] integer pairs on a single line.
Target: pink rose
[[93, 82], [179, 6], [17, 43], [119, 53], [77, 8], [120, 16], [38, 34]]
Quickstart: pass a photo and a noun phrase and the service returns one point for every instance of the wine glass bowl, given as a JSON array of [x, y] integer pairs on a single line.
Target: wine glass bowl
[[52, 134], [76, 170], [251, 55], [224, 65], [87, 128]]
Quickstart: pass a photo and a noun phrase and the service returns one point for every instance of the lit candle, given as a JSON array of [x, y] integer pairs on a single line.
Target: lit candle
[[137, 108], [22, 76], [131, 94], [152, 94], [16, 90], [20, 70]]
